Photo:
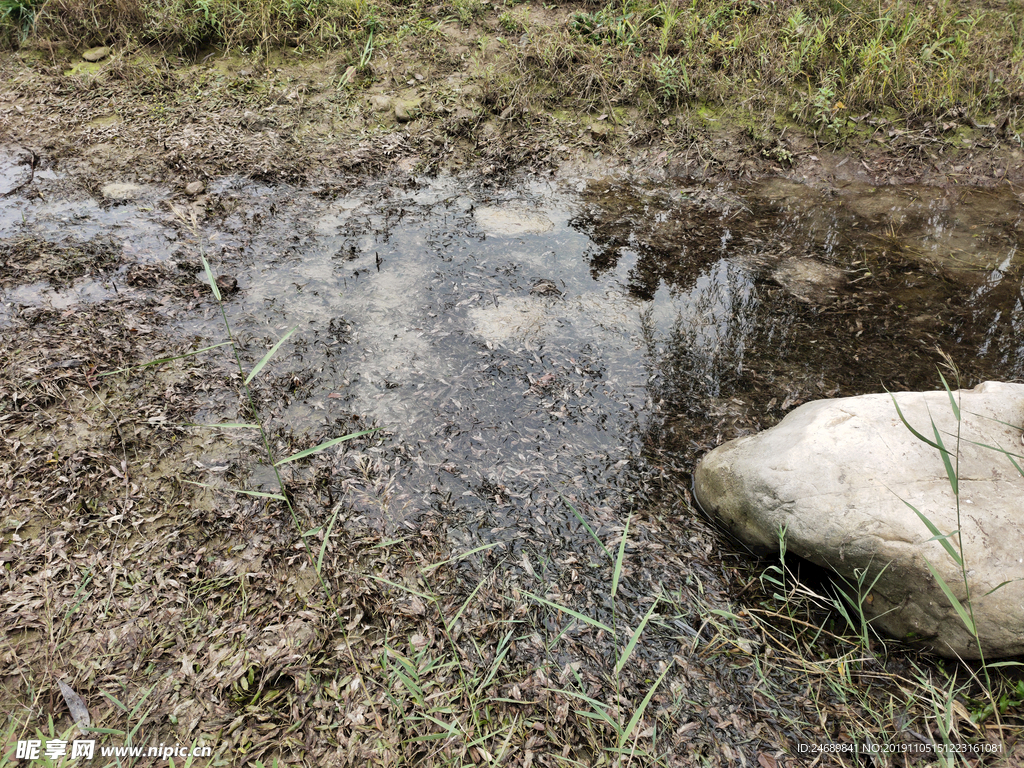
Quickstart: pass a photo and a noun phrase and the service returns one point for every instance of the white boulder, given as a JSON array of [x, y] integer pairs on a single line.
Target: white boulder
[[836, 473]]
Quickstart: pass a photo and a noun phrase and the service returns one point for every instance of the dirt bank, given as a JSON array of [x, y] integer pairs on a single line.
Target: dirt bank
[[491, 93]]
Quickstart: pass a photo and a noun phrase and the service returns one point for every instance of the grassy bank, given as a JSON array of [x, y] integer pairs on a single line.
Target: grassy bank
[[826, 66]]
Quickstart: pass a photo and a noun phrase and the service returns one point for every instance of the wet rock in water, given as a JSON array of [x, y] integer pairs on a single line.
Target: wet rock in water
[[545, 288], [511, 221], [195, 188], [835, 474], [96, 54], [119, 191], [226, 284], [809, 280]]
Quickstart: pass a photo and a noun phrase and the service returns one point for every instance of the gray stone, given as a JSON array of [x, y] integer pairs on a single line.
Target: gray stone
[[809, 280], [407, 110], [473, 93], [195, 188], [119, 191], [226, 284], [545, 288], [96, 54], [835, 475]]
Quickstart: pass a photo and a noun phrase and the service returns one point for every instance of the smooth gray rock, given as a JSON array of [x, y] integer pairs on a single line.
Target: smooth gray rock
[[511, 220], [809, 280], [836, 474], [380, 103], [120, 191]]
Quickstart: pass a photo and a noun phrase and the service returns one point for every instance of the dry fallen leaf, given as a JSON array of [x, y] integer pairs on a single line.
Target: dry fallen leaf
[[76, 705]]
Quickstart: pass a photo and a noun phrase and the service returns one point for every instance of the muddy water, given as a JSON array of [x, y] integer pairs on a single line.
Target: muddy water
[[549, 339]]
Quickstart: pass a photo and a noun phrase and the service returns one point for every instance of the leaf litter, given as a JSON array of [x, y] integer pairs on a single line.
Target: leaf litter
[[467, 620]]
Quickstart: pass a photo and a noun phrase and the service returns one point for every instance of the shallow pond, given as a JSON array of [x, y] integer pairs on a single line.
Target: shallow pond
[[547, 340]]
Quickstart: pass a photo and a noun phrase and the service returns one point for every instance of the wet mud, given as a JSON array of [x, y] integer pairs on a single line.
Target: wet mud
[[541, 360], [668, 318]]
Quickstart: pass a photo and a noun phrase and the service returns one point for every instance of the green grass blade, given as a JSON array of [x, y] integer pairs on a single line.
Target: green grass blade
[[586, 525], [259, 494], [270, 354], [162, 360], [211, 278], [633, 639], [327, 537], [725, 614], [599, 712], [1000, 586], [119, 705], [508, 740], [1011, 456], [323, 446], [617, 571], [938, 535], [624, 735], [408, 683], [997, 421], [571, 612], [404, 588], [953, 600], [451, 728], [465, 604], [954, 482], [390, 542], [429, 737], [952, 400], [434, 566], [914, 432], [503, 649]]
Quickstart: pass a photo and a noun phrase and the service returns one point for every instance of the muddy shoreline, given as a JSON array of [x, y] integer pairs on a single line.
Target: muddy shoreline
[[145, 116], [211, 600]]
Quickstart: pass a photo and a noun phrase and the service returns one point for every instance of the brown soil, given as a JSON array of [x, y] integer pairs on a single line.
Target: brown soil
[[141, 115]]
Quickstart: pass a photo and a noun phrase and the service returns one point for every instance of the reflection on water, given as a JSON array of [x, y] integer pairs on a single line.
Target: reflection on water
[[580, 339]]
